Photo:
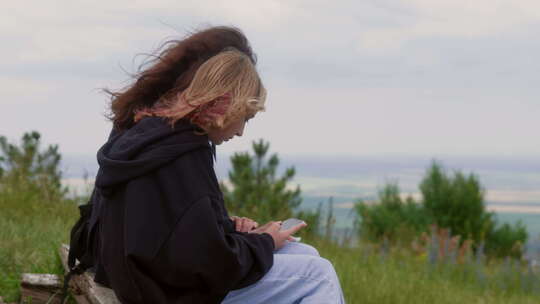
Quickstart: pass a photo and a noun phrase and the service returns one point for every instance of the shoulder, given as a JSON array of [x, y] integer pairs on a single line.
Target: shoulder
[[188, 176]]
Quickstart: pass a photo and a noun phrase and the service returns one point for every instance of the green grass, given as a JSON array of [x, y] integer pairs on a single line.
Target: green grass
[[368, 277], [32, 230]]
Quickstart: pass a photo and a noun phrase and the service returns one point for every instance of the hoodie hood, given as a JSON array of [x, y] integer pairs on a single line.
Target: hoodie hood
[[145, 147]]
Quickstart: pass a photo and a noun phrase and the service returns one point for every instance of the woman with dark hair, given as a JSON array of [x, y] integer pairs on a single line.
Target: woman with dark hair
[[160, 231]]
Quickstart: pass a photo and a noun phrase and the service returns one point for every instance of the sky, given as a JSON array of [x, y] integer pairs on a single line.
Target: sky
[[346, 78]]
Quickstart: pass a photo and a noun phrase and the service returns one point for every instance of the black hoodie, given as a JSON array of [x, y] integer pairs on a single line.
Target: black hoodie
[[163, 234]]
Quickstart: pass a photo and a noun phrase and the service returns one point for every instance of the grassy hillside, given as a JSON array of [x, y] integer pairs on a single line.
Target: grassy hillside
[[31, 232]]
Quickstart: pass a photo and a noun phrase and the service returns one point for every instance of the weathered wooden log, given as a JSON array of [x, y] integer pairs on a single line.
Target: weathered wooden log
[[40, 288], [83, 287]]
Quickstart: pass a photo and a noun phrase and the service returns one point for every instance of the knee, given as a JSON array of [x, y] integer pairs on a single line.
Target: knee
[[309, 250], [321, 267], [324, 264]]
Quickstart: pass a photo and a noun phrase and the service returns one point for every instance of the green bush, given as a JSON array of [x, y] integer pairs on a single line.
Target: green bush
[[390, 217], [454, 202], [507, 240], [458, 203]]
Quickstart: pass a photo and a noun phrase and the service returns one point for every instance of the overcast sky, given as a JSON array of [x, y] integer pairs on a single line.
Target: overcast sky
[[385, 77]]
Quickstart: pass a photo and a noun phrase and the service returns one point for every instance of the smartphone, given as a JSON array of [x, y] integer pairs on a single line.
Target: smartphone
[[289, 223]]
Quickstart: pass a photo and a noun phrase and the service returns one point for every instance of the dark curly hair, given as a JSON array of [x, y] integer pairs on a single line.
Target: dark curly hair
[[172, 70]]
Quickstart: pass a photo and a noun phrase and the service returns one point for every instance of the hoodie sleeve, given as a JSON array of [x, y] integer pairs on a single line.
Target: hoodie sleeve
[[202, 252]]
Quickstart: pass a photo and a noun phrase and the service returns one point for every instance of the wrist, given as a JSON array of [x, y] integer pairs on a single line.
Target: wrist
[[272, 241]]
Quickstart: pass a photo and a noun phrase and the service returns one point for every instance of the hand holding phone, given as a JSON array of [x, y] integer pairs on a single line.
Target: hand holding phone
[[281, 231]]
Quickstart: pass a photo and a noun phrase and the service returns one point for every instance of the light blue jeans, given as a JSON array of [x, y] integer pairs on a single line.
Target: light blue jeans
[[299, 275]]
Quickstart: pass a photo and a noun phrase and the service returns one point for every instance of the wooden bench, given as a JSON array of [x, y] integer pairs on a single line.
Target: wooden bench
[[40, 288], [83, 287]]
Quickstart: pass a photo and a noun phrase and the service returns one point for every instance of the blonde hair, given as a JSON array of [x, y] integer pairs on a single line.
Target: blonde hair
[[229, 73]]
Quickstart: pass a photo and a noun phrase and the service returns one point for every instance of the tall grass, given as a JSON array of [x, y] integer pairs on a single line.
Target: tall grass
[[31, 232], [370, 274]]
